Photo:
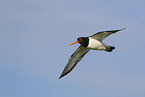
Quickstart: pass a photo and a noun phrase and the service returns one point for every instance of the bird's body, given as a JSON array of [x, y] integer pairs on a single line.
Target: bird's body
[[96, 44], [93, 42]]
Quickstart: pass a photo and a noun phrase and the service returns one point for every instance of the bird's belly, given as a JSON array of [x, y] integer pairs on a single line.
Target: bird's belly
[[95, 45]]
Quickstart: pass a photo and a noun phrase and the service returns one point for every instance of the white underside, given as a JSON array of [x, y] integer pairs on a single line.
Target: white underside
[[96, 45]]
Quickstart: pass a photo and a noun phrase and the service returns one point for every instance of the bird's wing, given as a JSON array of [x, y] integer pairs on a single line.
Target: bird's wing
[[103, 34], [74, 59]]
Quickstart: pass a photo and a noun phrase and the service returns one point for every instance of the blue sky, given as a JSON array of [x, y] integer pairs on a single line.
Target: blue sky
[[34, 50]]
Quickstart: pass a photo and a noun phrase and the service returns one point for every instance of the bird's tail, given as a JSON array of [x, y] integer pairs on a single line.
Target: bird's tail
[[110, 48]]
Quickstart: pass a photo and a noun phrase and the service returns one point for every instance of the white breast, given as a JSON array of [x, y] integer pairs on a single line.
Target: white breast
[[95, 44]]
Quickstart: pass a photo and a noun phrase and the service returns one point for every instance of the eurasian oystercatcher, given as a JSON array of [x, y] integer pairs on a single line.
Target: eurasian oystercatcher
[[93, 42]]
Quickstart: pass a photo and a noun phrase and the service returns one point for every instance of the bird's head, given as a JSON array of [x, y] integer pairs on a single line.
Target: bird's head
[[84, 41]]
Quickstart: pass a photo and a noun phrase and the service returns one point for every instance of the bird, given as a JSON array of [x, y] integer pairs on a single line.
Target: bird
[[94, 42]]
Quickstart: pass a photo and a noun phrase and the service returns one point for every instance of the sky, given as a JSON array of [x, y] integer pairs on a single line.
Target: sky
[[34, 48]]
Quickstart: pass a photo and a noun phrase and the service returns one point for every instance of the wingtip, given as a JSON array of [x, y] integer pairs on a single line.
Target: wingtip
[[59, 77], [123, 29]]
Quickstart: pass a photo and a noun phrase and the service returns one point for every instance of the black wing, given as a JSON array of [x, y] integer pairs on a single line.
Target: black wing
[[74, 59], [103, 34]]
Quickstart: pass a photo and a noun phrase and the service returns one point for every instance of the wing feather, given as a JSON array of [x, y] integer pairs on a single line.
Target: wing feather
[[74, 59], [103, 34]]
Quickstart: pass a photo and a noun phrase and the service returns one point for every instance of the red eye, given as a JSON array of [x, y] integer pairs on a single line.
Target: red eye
[[80, 39]]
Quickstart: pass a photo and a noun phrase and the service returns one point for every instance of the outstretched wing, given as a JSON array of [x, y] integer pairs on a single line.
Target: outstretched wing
[[103, 34], [74, 59]]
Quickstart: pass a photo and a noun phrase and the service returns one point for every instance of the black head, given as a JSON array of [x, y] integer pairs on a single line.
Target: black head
[[84, 41]]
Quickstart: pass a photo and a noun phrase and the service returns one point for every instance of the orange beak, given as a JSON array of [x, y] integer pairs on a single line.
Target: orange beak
[[74, 43]]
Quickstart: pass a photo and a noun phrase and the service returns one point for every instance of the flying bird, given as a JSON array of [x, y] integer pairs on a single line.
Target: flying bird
[[94, 42]]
